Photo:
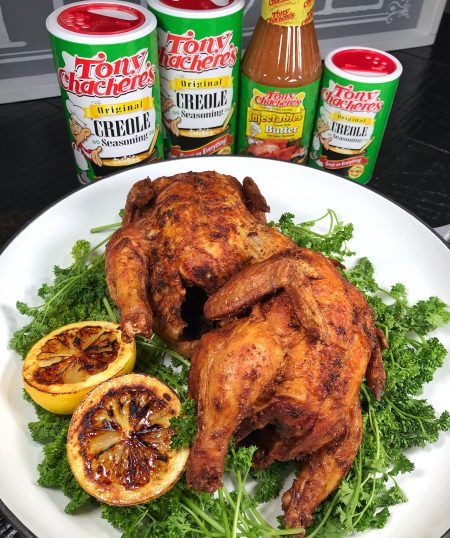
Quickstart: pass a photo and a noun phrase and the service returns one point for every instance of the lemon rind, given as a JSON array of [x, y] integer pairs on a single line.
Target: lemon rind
[[119, 496]]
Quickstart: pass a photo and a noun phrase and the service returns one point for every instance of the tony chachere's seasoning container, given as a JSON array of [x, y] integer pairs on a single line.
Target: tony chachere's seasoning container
[[199, 51], [107, 66], [280, 80], [355, 99]]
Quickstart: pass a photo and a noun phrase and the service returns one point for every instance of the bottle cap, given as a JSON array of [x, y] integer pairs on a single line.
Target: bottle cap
[[101, 22], [196, 9], [363, 64]]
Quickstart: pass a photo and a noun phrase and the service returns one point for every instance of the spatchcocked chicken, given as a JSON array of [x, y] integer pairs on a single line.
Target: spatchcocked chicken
[[281, 345]]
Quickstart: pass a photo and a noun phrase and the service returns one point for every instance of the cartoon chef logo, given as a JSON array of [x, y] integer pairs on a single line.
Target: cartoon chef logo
[[322, 136], [171, 115], [81, 133], [324, 131]]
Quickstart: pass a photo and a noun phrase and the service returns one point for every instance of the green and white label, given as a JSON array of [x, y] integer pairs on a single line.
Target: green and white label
[[198, 77], [111, 100], [199, 63], [351, 118], [276, 122]]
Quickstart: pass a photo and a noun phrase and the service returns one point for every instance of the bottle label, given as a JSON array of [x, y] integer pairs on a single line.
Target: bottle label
[[197, 79], [287, 12], [199, 64], [276, 122], [349, 126], [110, 95]]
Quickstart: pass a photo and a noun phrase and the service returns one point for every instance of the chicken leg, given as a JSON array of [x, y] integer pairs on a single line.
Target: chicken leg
[[234, 367], [322, 474]]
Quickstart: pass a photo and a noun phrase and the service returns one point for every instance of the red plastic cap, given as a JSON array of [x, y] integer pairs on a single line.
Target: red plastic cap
[[101, 18], [197, 5], [364, 62]]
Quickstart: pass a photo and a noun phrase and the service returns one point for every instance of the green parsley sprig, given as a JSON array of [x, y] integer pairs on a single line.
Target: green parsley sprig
[[332, 243], [78, 293]]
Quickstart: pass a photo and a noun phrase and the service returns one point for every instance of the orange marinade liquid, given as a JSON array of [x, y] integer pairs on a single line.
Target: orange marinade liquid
[[283, 54]]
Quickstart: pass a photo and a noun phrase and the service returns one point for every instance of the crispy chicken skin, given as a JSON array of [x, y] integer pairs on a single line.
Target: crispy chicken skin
[[182, 238], [279, 340], [296, 390]]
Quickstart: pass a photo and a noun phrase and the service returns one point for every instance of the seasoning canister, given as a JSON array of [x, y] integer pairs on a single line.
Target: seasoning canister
[[280, 79], [199, 45], [355, 99], [106, 60]]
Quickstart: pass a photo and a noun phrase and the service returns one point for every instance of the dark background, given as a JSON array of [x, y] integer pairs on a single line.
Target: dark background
[[413, 167], [28, 42]]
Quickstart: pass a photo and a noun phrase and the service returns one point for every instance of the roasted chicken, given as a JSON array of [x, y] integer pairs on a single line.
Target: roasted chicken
[[182, 238], [280, 341], [288, 375]]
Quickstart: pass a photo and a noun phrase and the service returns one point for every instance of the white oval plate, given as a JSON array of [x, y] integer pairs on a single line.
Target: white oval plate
[[401, 248]]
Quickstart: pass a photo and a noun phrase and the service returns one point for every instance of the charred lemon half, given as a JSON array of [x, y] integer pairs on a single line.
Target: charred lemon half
[[118, 443], [65, 365]]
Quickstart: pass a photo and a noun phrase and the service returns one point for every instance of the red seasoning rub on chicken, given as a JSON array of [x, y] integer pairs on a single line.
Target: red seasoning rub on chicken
[[280, 341], [288, 375]]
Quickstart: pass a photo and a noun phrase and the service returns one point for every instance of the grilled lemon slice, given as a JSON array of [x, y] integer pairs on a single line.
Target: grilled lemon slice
[[118, 444], [65, 365]]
